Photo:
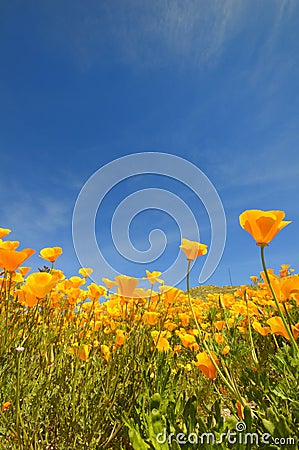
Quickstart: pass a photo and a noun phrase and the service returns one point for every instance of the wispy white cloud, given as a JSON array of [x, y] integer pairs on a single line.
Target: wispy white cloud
[[33, 214], [151, 33]]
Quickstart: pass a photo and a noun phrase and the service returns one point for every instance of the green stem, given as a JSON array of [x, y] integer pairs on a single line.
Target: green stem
[[229, 384], [253, 352], [280, 312]]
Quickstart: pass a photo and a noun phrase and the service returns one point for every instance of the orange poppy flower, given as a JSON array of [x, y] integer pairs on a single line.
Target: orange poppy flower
[[84, 352], [4, 232], [109, 283], [9, 245], [254, 279], [277, 326], [77, 281], [106, 352], [85, 271], [50, 253], [24, 270], [5, 406], [289, 287], [193, 249], [94, 291], [11, 259], [260, 329], [153, 277], [161, 342], [126, 285], [225, 350], [188, 340], [205, 364], [26, 297], [40, 283], [240, 409], [120, 338], [171, 294], [262, 225], [151, 317]]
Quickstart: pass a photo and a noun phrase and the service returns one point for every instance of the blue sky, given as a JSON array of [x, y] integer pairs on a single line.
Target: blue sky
[[85, 83]]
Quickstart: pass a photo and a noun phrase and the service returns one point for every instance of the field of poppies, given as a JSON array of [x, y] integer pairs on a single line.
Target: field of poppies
[[117, 367]]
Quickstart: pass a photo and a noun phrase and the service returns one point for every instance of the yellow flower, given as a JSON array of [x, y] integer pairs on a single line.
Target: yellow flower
[[277, 327], [40, 283], [171, 294], [254, 279], [84, 352], [26, 297], [205, 364], [50, 253], [193, 249], [219, 324], [4, 232], [11, 259], [94, 291], [120, 338], [106, 352], [57, 274], [126, 285], [289, 287], [85, 271], [188, 340], [161, 342], [153, 277], [77, 281], [262, 225], [5, 406], [259, 329], [109, 283], [24, 270], [9, 245], [151, 317], [225, 350]]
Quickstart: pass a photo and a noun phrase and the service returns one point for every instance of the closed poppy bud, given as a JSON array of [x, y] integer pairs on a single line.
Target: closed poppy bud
[[240, 409], [84, 352], [225, 350], [106, 352], [120, 338]]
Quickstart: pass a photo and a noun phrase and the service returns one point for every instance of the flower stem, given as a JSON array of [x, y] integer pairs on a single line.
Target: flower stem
[[229, 384], [280, 312]]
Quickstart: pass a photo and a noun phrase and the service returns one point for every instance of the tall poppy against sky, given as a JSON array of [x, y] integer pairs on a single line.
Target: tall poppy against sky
[[263, 225]]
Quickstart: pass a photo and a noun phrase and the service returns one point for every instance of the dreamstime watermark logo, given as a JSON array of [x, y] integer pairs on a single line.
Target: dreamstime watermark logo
[[102, 182], [237, 436]]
